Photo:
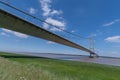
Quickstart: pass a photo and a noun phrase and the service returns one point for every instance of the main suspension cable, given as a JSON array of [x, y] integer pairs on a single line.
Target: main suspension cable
[[43, 20]]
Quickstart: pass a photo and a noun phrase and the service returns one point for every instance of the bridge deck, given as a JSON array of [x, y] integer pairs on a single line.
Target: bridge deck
[[15, 23]]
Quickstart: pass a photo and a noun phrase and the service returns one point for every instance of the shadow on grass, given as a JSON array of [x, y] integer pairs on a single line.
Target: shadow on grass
[[14, 56]]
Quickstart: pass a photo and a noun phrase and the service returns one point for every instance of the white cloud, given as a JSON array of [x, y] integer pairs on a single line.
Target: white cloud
[[46, 7], [55, 29], [4, 34], [45, 4], [7, 30], [112, 22], [32, 10], [46, 26], [20, 35], [57, 23], [51, 42], [56, 12], [109, 24], [49, 13], [113, 39]]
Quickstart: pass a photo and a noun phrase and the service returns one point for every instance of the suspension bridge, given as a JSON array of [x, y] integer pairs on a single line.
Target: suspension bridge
[[15, 23]]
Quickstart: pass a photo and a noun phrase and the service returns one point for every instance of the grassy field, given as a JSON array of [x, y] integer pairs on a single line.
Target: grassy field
[[21, 67]]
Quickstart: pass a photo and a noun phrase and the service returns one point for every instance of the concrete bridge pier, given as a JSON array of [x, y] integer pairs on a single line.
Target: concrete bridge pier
[[93, 55]]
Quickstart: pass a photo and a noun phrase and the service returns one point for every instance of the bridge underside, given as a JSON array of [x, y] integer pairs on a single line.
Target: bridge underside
[[12, 22]]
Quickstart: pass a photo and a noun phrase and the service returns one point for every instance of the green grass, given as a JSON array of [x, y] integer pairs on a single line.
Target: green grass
[[21, 67]]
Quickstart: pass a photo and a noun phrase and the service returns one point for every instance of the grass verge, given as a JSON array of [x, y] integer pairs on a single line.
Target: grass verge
[[21, 67]]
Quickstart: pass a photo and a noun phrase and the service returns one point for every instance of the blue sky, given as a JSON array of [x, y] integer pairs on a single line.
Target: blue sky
[[87, 18]]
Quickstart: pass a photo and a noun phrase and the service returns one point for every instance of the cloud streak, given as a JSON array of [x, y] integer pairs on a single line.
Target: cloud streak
[[113, 39], [20, 35], [4, 34], [61, 25], [51, 42], [32, 10], [111, 23], [56, 12]]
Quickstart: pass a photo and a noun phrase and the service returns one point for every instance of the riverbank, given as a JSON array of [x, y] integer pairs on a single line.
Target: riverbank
[[21, 67]]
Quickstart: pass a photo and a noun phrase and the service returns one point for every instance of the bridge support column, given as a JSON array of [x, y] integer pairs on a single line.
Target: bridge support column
[[93, 55]]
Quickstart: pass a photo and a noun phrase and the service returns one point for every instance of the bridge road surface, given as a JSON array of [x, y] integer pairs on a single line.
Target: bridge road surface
[[100, 60]]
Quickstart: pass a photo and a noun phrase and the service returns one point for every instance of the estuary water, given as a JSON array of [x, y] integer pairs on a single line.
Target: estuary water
[[100, 60]]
